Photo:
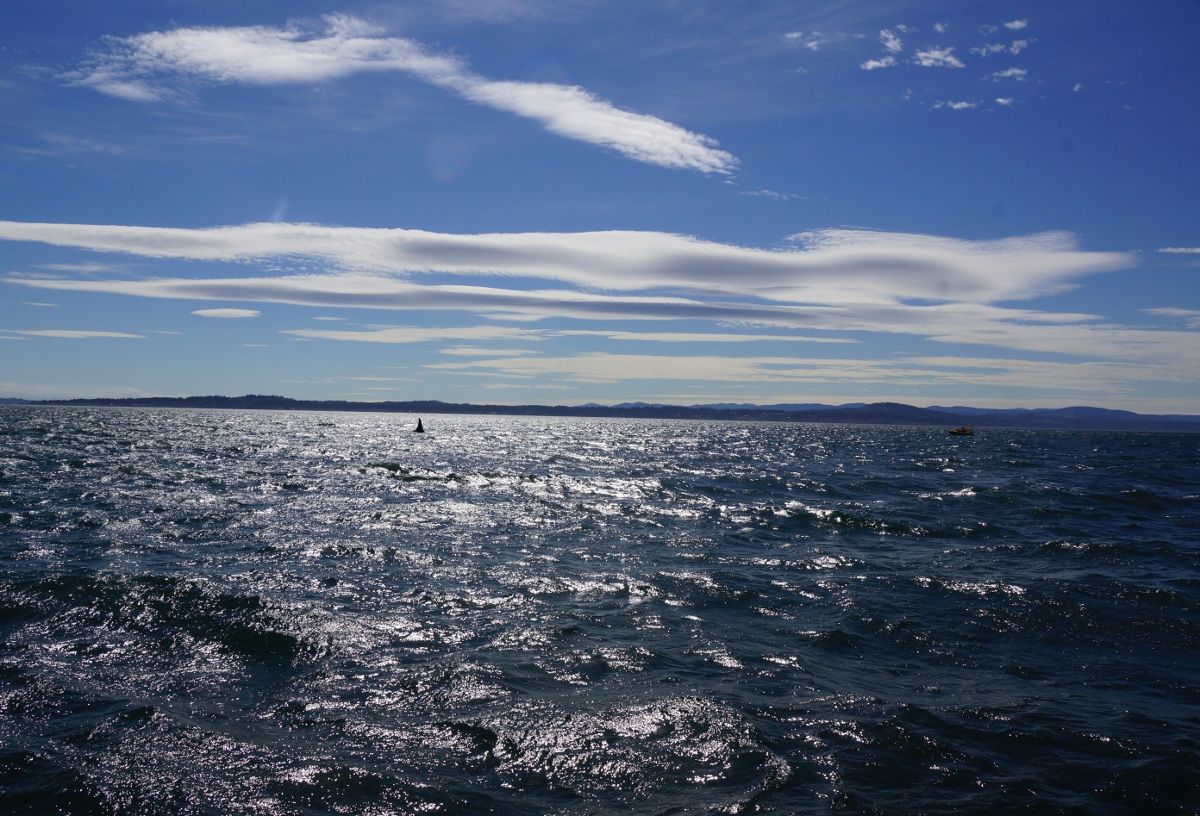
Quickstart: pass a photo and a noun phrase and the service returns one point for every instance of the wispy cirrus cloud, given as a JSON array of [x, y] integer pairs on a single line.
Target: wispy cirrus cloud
[[422, 334], [227, 314], [472, 351], [989, 49], [61, 144], [1011, 73], [71, 334], [604, 367], [1190, 316], [148, 67], [417, 334], [699, 337], [928, 372], [83, 268], [1016, 47]]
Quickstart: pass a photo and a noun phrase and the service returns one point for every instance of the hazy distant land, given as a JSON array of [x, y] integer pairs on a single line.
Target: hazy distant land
[[879, 413]]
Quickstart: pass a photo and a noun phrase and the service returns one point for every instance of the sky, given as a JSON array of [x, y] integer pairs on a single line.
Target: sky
[[565, 201]]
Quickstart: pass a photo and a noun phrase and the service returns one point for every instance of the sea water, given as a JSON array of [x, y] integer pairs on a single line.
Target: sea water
[[220, 612]]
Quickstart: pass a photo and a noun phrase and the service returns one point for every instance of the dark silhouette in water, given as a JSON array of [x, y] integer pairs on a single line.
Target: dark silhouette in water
[[420, 428]]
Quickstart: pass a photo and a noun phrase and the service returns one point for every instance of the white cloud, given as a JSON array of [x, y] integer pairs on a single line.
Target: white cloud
[[576, 114], [871, 65], [938, 58], [262, 55], [415, 334], [777, 196], [929, 371], [603, 367], [955, 105], [1010, 73], [1181, 250], [59, 144], [891, 43], [507, 386], [71, 334], [957, 323], [1191, 316], [832, 281], [375, 379], [840, 280], [1077, 87], [84, 268], [989, 50], [471, 351], [226, 313], [1016, 25], [1018, 46], [940, 28], [699, 337], [1089, 377], [1006, 102], [829, 267]]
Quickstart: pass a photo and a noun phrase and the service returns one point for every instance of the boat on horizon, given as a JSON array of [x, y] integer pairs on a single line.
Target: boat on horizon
[[963, 431]]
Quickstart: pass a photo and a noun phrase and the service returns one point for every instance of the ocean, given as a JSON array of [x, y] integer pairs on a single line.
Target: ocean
[[224, 612]]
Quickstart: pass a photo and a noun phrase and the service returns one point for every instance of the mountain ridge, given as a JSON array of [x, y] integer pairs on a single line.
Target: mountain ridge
[[879, 413]]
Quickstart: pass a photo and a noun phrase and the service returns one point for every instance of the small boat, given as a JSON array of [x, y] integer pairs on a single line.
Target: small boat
[[963, 431], [420, 428]]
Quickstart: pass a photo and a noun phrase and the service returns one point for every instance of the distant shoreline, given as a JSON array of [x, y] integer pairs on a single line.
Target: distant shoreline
[[880, 413]]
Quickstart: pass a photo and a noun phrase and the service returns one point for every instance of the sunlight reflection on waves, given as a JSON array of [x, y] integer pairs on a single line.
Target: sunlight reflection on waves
[[301, 613]]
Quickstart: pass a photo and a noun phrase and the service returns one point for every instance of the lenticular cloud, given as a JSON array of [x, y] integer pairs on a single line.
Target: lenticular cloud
[[143, 67], [945, 289], [828, 267]]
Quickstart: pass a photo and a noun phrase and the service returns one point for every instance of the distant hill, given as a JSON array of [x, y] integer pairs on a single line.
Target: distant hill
[[782, 406], [879, 413]]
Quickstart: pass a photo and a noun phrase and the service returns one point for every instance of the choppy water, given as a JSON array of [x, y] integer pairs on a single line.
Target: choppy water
[[298, 613]]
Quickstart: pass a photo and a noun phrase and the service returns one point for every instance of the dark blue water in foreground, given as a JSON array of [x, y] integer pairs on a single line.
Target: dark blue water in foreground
[[301, 613]]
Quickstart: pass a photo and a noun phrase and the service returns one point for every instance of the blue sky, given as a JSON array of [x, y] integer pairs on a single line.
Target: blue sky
[[518, 201]]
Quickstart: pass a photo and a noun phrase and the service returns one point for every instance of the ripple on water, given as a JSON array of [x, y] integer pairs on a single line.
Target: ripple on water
[[227, 612]]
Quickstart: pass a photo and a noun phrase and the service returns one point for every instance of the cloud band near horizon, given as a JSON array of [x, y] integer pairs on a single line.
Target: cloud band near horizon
[[946, 290], [826, 267]]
